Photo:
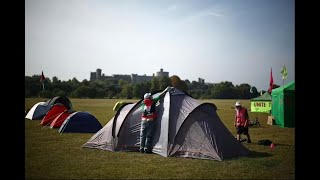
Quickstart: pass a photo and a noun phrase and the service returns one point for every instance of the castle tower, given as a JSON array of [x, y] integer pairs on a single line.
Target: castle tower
[[162, 73], [98, 73], [93, 76]]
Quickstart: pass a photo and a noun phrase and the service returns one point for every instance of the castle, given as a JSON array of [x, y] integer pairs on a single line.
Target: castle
[[133, 78]]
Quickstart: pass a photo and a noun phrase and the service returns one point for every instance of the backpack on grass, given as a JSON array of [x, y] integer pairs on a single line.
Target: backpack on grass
[[265, 142]]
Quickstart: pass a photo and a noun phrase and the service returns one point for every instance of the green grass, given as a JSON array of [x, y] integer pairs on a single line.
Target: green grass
[[50, 155]]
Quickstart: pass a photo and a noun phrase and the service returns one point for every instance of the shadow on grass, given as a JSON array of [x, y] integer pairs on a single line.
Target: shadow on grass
[[282, 144], [276, 144], [256, 126], [255, 154]]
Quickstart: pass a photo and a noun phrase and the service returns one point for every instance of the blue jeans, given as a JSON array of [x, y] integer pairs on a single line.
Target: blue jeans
[[146, 133]]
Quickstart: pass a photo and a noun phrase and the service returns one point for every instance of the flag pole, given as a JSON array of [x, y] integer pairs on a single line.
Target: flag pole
[[271, 82], [284, 73], [42, 78]]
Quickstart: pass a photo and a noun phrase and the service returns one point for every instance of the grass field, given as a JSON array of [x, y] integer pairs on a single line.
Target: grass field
[[50, 155]]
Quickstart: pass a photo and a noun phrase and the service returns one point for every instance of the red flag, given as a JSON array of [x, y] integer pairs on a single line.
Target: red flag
[[271, 82], [42, 78]]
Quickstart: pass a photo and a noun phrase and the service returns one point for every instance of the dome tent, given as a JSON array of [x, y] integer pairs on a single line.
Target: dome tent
[[80, 122], [60, 99], [58, 121], [38, 111], [184, 127], [54, 111]]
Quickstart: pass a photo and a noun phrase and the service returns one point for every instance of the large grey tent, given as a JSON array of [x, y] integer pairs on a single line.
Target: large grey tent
[[184, 127]]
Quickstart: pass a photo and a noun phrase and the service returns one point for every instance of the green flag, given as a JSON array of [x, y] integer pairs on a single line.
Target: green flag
[[284, 72]]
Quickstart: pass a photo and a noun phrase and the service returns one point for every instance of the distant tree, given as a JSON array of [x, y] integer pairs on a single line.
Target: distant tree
[[203, 87], [175, 80], [85, 82], [197, 94], [66, 87], [243, 91], [110, 90], [27, 93], [192, 86], [91, 93], [122, 88], [45, 94], [127, 91], [74, 80], [75, 83], [155, 84], [254, 92], [100, 93], [224, 90], [122, 82], [164, 82], [178, 83], [138, 90], [182, 85], [82, 92], [32, 86], [55, 80], [60, 93]]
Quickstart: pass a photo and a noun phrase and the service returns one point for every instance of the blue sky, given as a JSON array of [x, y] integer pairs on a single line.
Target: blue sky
[[218, 40]]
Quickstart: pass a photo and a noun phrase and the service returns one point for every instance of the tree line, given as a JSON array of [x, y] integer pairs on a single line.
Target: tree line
[[116, 89]]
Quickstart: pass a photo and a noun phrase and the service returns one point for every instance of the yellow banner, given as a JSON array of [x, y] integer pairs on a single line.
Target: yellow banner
[[261, 106]]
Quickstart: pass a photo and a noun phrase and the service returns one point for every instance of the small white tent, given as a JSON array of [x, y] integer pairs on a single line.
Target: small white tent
[[38, 111]]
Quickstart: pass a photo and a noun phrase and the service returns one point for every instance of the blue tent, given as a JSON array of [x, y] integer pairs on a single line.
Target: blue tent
[[80, 122]]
